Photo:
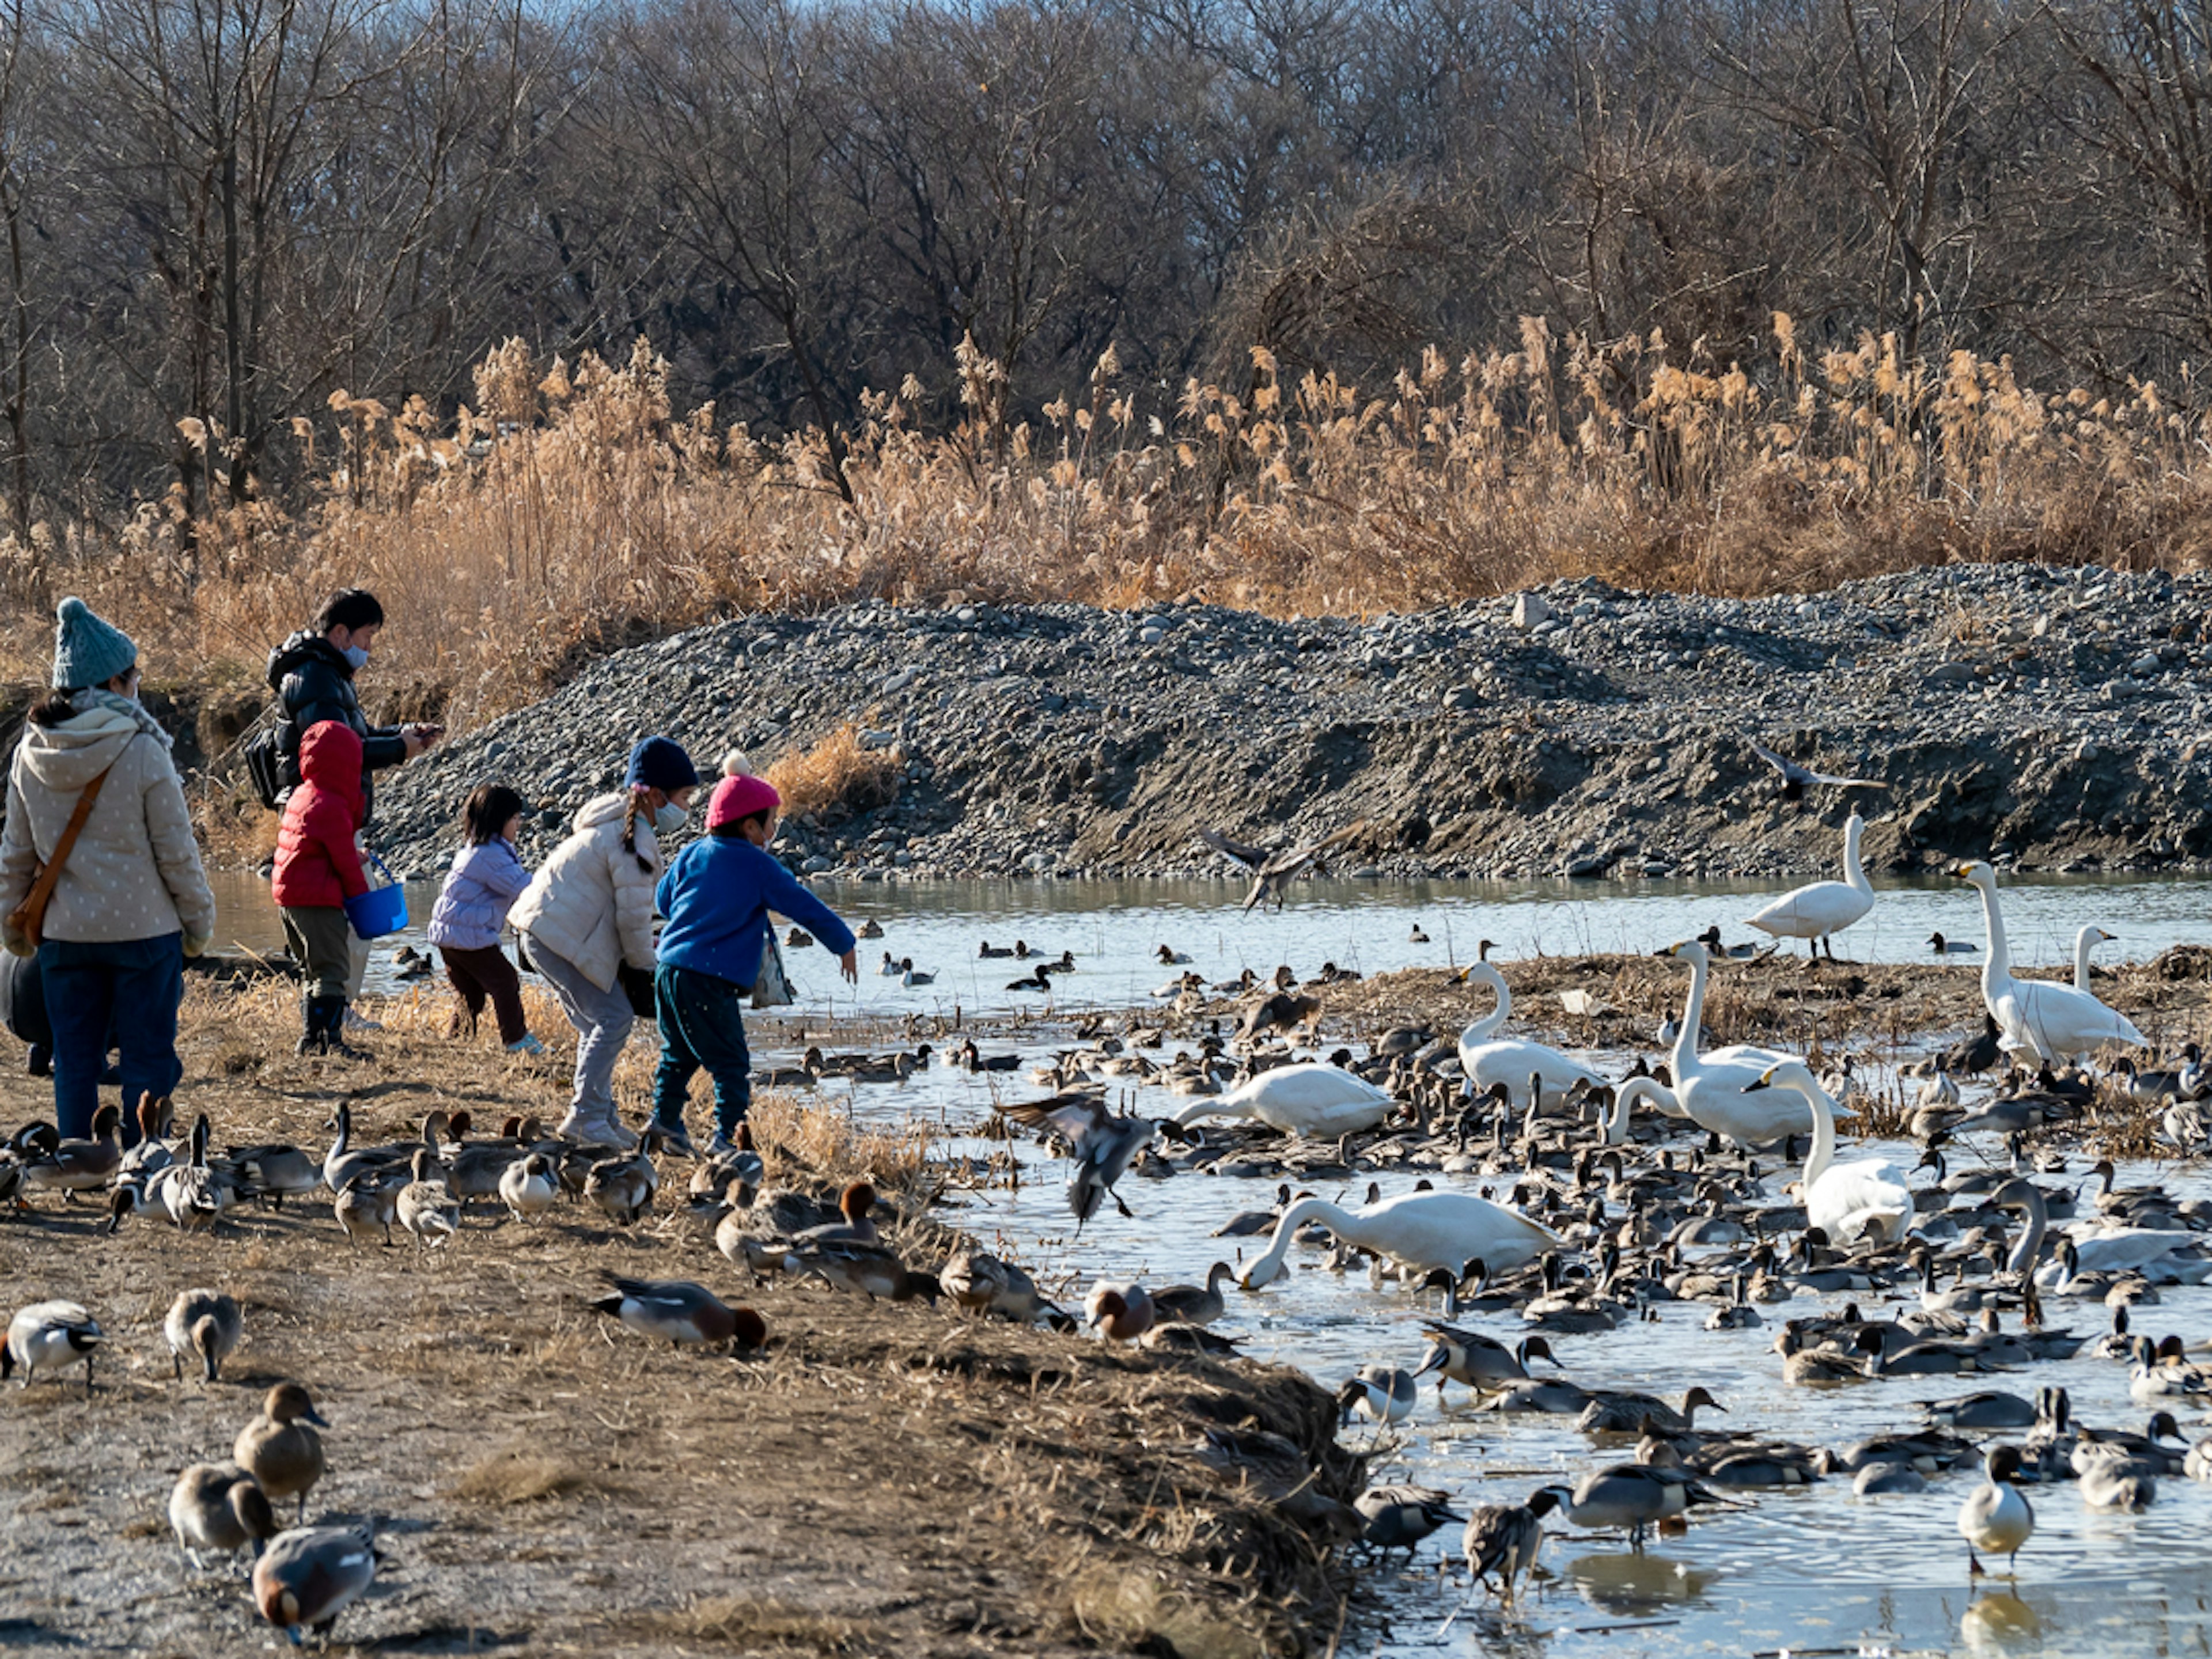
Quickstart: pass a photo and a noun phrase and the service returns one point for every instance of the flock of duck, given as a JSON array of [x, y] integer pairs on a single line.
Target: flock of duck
[[1605, 1219]]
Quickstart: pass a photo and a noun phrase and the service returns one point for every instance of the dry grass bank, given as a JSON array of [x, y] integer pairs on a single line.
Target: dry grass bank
[[881, 1480], [571, 509]]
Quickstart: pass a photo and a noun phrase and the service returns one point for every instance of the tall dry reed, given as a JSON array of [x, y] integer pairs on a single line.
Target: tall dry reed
[[570, 509]]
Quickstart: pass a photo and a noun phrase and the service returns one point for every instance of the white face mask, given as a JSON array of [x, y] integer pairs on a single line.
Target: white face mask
[[668, 818]]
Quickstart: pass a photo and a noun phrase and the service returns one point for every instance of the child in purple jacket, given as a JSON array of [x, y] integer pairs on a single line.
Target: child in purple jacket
[[486, 879]]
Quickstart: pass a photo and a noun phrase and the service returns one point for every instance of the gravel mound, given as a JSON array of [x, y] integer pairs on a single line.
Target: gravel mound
[[2054, 718]]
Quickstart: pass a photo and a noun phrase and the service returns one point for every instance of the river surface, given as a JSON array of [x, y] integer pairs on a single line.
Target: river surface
[[1811, 1571]]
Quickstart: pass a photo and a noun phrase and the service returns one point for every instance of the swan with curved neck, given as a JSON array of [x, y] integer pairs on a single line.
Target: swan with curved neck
[[1488, 1059], [1820, 908], [1865, 1197], [1711, 1087], [1626, 1095], [1480, 972], [1423, 1229], [2087, 940], [2037, 1018], [1311, 1099]]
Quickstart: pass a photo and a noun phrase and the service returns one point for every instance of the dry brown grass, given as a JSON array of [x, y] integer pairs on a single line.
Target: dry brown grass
[[837, 778], [571, 509], [522, 1475]]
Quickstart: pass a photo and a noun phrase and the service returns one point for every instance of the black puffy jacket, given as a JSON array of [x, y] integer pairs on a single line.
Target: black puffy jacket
[[314, 682]]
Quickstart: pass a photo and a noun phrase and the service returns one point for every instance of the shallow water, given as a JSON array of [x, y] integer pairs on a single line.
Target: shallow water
[[1115, 927], [1809, 1570]]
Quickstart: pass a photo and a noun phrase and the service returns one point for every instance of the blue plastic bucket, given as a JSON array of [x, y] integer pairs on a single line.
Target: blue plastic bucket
[[381, 910]]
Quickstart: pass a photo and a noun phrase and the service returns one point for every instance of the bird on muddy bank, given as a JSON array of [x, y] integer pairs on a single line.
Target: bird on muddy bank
[[280, 1449], [307, 1576], [47, 1336]]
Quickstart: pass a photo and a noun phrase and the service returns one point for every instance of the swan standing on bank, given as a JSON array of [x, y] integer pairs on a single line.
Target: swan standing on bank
[[1813, 913], [1423, 1229], [1709, 1088], [1488, 1059], [1867, 1196], [1310, 1098], [2037, 1018]]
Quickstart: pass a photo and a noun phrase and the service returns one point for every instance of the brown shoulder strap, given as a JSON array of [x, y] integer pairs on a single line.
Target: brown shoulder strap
[[42, 890]]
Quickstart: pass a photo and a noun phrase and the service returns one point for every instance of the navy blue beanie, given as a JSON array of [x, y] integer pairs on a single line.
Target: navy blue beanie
[[660, 763]]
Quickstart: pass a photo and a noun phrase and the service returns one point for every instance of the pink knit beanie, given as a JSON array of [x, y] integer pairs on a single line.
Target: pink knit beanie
[[739, 798]]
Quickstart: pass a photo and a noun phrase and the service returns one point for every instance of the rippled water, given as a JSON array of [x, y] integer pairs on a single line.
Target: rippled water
[[1811, 1571]]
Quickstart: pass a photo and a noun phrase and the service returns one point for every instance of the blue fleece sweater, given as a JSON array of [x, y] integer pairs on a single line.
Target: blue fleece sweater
[[717, 894]]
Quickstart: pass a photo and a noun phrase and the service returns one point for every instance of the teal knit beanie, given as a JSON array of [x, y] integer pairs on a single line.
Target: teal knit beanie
[[88, 651]]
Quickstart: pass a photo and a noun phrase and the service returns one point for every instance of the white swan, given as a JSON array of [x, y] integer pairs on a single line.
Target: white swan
[[1311, 1099], [1812, 913], [2037, 1018], [1626, 1095], [1423, 1229], [1488, 1060], [1868, 1196], [2086, 940], [1711, 1087]]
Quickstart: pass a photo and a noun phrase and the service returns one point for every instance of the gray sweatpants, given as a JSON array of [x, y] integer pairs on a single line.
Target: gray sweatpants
[[603, 1021]]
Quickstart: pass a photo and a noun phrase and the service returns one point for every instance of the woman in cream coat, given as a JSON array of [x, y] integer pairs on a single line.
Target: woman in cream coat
[[588, 913]]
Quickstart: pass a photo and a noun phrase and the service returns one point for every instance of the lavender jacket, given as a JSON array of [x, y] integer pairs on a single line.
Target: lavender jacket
[[484, 883]]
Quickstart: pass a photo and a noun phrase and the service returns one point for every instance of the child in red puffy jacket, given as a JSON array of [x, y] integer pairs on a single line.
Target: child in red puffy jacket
[[318, 870]]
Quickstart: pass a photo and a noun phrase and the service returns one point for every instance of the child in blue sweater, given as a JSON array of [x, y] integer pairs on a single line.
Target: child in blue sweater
[[717, 894]]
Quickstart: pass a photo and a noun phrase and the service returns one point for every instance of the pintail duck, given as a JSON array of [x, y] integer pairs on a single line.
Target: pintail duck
[[426, 1205], [798, 938], [1473, 1360], [366, 1206], [218, 1507], [1995, 1516], [473, 1169], [1103, 1142], [1170, 958], [344, 1161], [1193, 1304], [47, 1334], [78, 1166], [205, 1323], [1636, 1497], [1612, 1411], [307, 1576], [990, 952], [151, 1150], [623, 1187], [981, 1283], [1247, 1224], [528, 1187], [680, 1312], [870, 1269], [1385, 1394], [1040, 979], [193, 1195], [280, 1449], [869, 929], [1505, 1538], [1400, 1517], [739, 1163], [1119, 1310], [272, 1171]]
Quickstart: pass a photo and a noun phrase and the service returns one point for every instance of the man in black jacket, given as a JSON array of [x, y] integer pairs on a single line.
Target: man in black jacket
[[312, 674]]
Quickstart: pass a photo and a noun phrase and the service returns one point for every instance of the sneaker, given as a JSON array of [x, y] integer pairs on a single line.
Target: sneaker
[[674, 1140], [357, 1021], [527, 1043]]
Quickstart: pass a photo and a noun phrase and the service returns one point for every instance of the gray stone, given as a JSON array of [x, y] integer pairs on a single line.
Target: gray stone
[[1529, 610]]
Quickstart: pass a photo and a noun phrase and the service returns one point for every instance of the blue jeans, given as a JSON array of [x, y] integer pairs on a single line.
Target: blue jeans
[[134, 983], [702, 1022]]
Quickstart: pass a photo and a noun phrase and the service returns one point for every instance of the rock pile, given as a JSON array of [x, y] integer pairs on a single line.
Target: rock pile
[[2052, 718]]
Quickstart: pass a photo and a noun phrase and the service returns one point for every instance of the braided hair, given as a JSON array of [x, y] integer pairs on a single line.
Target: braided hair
[[629, 828]]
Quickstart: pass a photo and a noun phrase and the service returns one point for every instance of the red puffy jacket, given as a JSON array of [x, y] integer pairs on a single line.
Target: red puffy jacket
[[317, 863]]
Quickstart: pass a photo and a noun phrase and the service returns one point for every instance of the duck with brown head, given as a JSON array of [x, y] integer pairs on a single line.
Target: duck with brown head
[[280, 1449]]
